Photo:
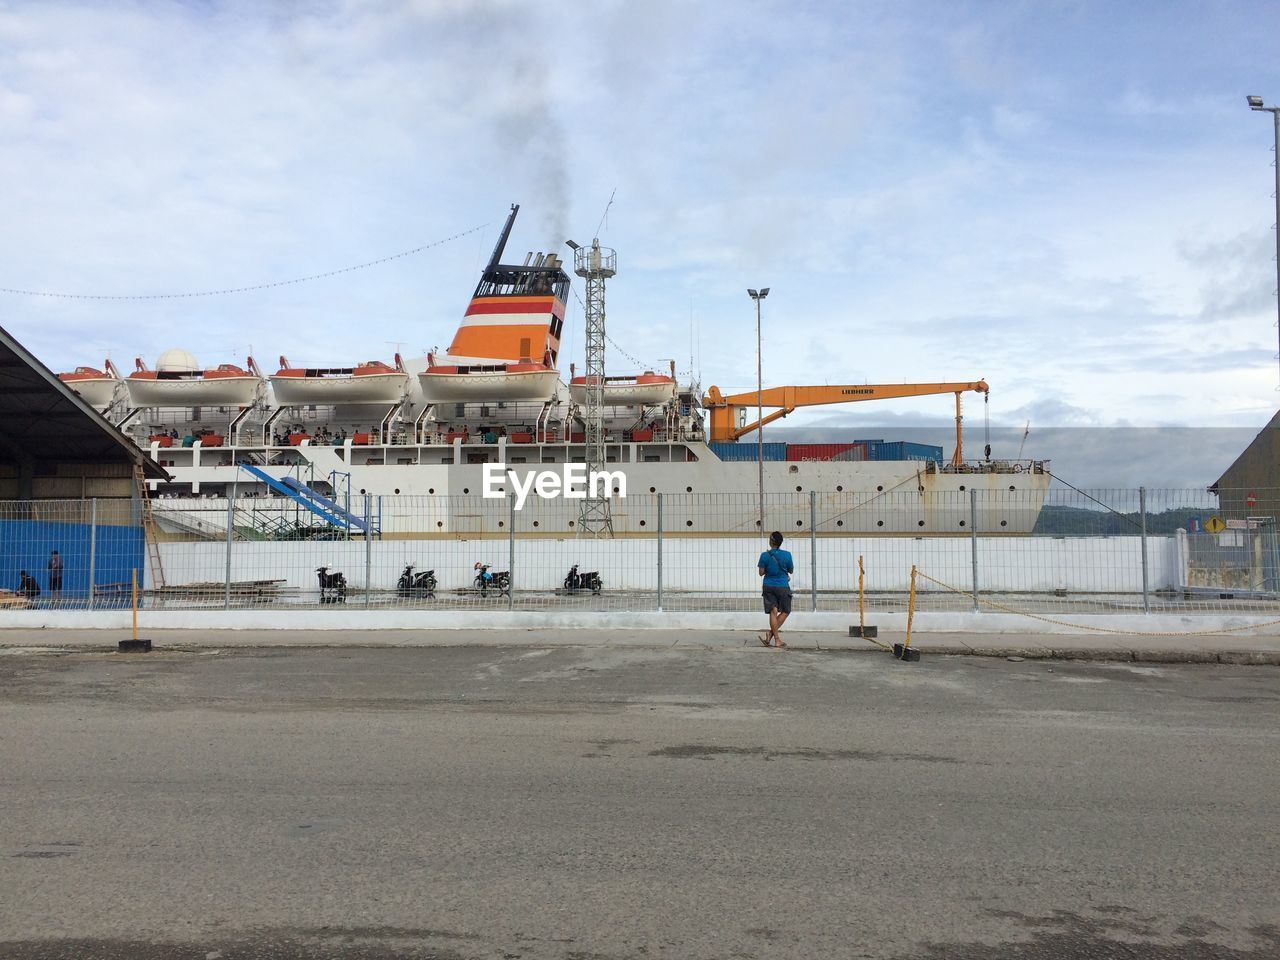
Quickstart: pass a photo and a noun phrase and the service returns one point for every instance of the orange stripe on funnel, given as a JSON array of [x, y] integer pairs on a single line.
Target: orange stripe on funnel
[[506, 342]]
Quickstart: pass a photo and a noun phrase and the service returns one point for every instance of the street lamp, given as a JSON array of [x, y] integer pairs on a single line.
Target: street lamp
[[1255, 103], [757, 296]]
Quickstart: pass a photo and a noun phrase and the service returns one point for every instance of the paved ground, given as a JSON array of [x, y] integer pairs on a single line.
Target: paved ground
[[579, 802], [1242, 647]]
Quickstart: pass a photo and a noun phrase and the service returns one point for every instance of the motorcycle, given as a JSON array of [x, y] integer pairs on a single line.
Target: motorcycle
[[486, 581], [333, 586], [583, 581], [422, 583]]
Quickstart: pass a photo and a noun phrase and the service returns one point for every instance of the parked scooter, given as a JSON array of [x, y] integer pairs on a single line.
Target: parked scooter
[[333, 586], [486, 581], [421, 584], [583, 581]]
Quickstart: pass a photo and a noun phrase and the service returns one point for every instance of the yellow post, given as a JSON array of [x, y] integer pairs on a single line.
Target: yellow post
[[134, 603], [862, 605], [911, 606]]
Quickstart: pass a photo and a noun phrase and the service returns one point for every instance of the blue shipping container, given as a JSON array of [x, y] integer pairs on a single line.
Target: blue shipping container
[[748, 451], [901, 450]]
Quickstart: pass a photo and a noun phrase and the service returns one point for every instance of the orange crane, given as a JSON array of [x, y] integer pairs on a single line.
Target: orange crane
[[726, 411]]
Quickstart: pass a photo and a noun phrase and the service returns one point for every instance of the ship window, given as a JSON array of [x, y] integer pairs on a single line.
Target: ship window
[[459, 409], [649, 459]]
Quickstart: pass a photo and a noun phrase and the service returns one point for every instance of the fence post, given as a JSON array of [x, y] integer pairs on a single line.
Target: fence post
[[813, 550], [231, 532], [659, 553], [368, 548], [1142, 508], [511, 551], [93, 546], [973, 541]]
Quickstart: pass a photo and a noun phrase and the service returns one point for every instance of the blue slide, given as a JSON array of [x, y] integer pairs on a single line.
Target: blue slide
[[317, 503]]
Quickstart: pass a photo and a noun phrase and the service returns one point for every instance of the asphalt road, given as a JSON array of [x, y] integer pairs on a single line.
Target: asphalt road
[[576, 803]]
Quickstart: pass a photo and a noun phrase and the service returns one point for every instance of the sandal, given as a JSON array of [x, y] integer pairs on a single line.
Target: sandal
[[765, 641]]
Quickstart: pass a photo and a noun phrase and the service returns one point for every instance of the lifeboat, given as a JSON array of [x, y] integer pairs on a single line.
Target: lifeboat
[[646, 389], [481, 382], [97, 387], [178, 381], [372, 382]]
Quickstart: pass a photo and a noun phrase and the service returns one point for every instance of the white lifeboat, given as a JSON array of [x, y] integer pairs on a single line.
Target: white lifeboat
[[645, 389], [96, 387], [371, 382], [178, 381], [483, 381]]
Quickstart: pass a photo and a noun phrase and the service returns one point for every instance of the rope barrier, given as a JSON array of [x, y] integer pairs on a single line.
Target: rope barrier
[[1111, 630]]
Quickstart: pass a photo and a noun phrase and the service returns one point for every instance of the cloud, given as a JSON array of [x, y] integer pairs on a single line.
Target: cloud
[[933, 194]]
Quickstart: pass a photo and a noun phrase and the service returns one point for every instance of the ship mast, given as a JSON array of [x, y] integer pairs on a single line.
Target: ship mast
[[595, 264]]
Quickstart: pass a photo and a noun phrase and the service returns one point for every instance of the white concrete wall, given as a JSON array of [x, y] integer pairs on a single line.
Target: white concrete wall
[[1039, 564], [335, 625]]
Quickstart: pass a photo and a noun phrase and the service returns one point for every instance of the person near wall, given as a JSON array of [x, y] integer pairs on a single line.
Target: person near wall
[[27, 586], [55, 576], [775, 566]]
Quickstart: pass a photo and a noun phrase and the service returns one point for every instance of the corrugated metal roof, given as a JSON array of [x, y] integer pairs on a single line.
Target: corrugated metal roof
[[44, 420]]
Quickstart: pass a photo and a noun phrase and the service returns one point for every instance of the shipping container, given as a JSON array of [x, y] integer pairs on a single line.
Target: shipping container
[[826, 451], [902, 450], [920, 451], [748, 451], [856, 452]]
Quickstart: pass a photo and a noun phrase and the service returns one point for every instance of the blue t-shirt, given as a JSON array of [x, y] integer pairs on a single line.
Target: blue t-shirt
[[776, 564]]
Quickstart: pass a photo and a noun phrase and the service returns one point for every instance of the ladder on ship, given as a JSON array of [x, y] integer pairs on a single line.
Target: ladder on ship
[[150, 529]]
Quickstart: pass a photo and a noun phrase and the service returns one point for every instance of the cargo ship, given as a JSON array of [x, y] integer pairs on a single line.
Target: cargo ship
[[400, 448]]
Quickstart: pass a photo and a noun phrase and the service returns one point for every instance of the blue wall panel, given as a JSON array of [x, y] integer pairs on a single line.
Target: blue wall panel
[[26, 545]]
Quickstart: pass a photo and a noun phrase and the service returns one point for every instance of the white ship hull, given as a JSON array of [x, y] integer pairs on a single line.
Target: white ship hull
[[482, 387], [373, 388], [422, 499], [196, 391]]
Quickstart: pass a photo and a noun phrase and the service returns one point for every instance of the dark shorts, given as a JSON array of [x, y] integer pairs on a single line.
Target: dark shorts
[[777, 597], [55, 581]]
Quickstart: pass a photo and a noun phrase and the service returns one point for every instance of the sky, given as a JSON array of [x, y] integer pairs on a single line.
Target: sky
[[1069, 200]]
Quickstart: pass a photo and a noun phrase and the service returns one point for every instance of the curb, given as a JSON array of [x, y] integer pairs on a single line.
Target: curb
[[1085, 654]]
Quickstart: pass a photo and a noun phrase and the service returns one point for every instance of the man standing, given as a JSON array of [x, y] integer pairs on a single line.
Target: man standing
[[55, 577], [776, 566]]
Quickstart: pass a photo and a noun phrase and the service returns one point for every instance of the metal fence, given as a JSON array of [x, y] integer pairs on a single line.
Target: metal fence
[[1063, 551]]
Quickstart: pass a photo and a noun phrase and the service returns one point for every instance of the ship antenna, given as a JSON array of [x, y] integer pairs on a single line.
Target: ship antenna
[[604, 217], [502, 238]]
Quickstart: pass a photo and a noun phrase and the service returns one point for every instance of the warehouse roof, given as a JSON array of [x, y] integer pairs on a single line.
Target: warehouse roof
[[42, 419]]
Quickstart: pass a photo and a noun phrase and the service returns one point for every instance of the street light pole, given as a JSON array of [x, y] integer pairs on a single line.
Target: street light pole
[[1255, 103], [757, 297]]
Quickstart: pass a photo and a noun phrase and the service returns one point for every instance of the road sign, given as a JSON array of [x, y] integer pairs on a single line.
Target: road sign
[[1214, 525]]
